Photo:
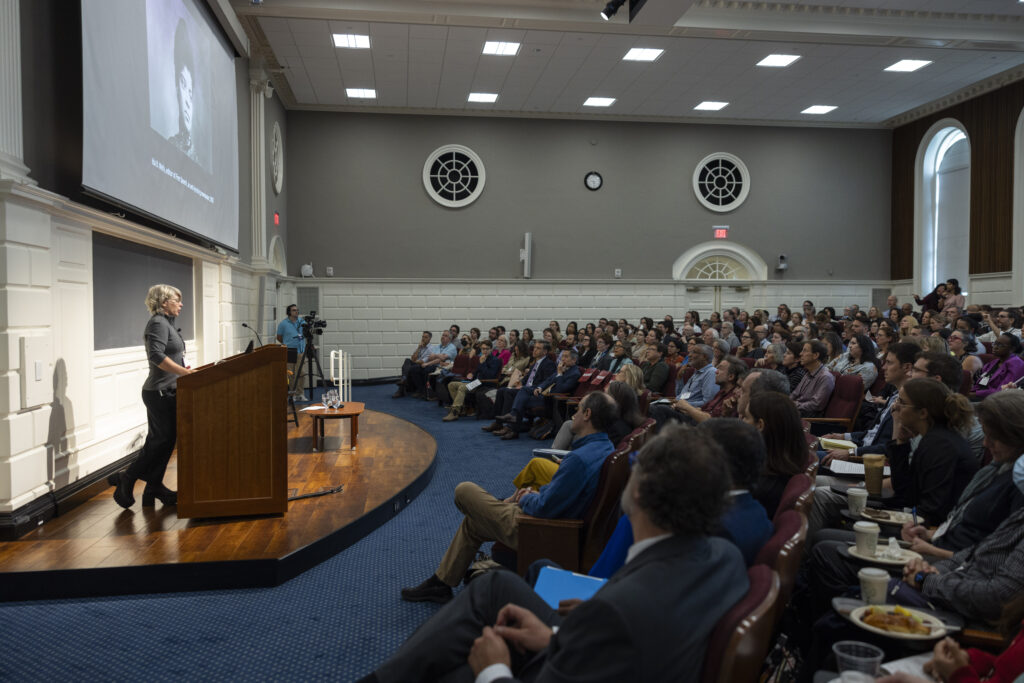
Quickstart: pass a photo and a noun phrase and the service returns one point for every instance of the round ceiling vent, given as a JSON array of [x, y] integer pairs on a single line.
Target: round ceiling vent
[[721, 181], [453, 176]]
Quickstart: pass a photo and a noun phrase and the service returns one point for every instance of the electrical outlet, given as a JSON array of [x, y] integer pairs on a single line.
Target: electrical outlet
[[618, 272]]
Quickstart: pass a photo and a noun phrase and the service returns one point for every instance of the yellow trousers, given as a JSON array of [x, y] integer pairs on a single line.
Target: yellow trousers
[[538, 471]]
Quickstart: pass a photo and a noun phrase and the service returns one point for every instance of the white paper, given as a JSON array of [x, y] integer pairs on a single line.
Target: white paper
[[852, 468], [473, 385]]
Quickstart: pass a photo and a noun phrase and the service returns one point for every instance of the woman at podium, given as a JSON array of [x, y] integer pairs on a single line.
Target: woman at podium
[[165, 350]]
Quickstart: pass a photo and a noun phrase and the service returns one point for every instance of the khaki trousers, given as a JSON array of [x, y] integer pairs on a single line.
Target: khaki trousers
[[457, 390], [486, 519], [537, 473]]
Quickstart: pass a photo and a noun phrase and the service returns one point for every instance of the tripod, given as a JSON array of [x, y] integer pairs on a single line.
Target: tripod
[[307, 360]]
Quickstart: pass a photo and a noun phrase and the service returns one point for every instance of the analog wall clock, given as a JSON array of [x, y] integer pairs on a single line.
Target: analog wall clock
[[593, 181]]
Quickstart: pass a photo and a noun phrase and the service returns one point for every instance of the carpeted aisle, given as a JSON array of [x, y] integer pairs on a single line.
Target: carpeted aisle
[[335, 622]]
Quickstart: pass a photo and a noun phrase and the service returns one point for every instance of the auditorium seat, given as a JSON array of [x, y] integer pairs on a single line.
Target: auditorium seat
[[741, 639]]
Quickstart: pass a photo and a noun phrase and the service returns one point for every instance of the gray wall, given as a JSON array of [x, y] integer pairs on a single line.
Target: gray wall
[[357, 200]]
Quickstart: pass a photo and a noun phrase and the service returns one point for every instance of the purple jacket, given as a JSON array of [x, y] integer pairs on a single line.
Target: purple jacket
[[1011, 370]]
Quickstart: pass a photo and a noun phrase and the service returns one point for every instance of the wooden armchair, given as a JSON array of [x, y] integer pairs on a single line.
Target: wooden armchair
[[843, 406], [576, 544], [741, 639]]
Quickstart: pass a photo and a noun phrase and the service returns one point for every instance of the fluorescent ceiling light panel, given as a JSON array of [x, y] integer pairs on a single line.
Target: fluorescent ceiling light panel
[[503, 49], [361, 93], [351, 40], [778, 60], [907, 65], [711, 106], [483, 97], [818, 109], [599, 102], [643, 54]]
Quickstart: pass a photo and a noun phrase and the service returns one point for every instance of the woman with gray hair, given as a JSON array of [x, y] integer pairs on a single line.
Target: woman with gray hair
[[721, 349], [165, 350]]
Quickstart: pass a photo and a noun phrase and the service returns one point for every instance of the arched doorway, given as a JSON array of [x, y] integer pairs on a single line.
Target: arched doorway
[[718, 274]]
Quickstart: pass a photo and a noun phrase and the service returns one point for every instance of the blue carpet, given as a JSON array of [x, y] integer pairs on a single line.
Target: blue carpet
[[336, 622]]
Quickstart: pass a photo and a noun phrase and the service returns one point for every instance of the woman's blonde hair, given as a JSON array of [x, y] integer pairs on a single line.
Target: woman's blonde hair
[[158, 295], [633, 376]]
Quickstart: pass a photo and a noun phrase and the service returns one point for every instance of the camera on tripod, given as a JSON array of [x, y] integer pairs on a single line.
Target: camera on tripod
[[313, 326]]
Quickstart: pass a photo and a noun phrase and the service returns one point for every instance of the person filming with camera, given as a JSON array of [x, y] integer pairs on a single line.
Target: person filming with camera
[[289, 333]]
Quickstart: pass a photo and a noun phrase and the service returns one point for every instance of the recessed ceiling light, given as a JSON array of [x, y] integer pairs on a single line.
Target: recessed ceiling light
[[498, 48], [483, 97], [778, 60], [711, 106], [643, 54], [818, 109], [908, 65], [351, 40], [599, 102], [361, 93]]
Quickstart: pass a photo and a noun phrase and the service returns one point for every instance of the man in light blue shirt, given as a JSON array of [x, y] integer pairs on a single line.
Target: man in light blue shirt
[[444, 353], [289, 333], [696, 391]]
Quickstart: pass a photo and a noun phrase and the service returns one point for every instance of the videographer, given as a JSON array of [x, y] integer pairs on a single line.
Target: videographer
[[289, 333]]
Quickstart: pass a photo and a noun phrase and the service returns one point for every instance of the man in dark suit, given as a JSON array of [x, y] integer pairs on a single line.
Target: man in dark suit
[[542, 368], [563, 381], [650, 622], [603, 358]]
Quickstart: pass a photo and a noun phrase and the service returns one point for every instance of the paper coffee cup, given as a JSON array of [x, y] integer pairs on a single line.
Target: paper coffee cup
[[866, 534], [874, 583], [874, 470], [856, 499]]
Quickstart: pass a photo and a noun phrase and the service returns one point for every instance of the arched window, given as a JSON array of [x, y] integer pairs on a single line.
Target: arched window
[[719, 260], [943, 207]]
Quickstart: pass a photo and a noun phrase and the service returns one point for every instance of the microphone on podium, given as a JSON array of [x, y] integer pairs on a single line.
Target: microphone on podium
[[246, 326]]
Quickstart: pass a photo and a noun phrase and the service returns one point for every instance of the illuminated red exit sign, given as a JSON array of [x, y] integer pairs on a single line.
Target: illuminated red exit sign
[[721, 232]]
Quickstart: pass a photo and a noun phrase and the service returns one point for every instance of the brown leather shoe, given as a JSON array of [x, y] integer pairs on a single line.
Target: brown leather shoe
[[493, 427], [502, 432], [451, 416], [509, 435]]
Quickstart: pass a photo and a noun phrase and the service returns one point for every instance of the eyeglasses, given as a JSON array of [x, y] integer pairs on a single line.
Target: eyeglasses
[[900, 402]]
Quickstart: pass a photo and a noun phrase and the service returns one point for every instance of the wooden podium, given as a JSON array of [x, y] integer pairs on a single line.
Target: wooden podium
[[232, 436]]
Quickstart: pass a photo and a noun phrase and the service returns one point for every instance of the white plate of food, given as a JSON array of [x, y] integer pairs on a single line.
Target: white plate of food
[[889, 516], [883, 556], [898, 622]]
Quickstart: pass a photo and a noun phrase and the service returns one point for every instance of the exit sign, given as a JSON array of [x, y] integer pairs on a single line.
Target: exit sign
[[721, 232]]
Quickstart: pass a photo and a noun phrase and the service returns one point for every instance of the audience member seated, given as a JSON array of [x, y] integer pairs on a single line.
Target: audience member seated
[[834, 348], [696, 391], [1006, 368], [778, 420], [728, 376], [488, 368], [952, 664], [501, 349], [650, 622], [620, 356], [744, 522], [964, 348], [419, 356], [990, 497], [537, 386], [674, 352], [420, 372], [773, 356], [539, 471], [814, 390], [747, 345], [633, 376], [489, 519], [791, 367], [517, 364], [654, 368], [859, 359]]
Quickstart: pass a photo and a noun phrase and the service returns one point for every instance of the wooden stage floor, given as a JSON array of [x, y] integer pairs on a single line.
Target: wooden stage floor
[[98, 548]]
